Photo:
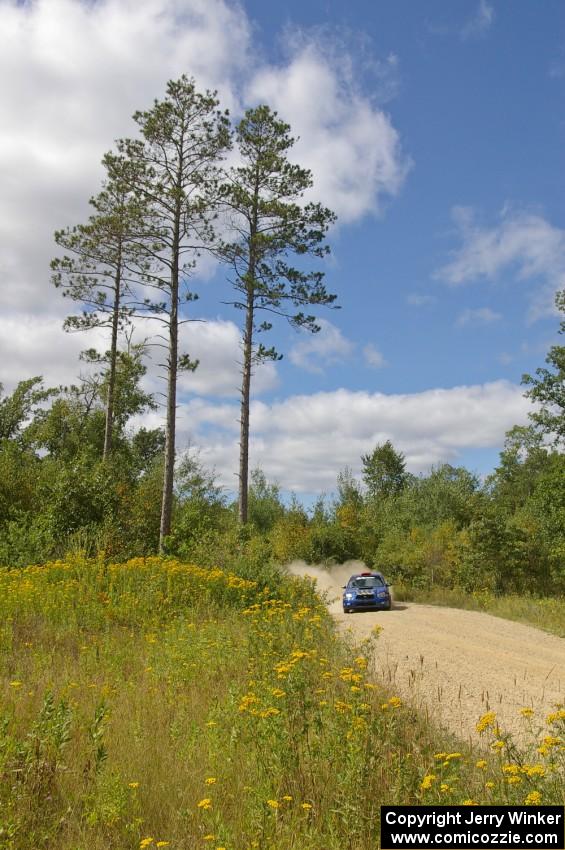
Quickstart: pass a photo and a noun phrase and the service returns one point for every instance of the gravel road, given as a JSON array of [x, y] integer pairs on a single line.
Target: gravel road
[[459, 664]]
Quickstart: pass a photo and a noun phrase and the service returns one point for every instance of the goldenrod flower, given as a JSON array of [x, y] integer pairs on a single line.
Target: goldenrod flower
[[532, 770], [486, 721], [511, 769], [427, 781]]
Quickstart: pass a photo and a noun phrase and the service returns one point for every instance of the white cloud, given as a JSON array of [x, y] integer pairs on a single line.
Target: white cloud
[[31, 346], [77, 71], [37, 346], [480, 316], [521, 241], [303, 441], [481, 22], [373, 357], [349, 143], [321, 349], [416, 300]]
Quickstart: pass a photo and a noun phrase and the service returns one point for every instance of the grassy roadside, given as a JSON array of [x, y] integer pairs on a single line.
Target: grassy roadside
[[157, 704], [544, 613]]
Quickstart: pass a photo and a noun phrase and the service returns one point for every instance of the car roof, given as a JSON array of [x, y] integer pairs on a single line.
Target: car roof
[[366, 575]]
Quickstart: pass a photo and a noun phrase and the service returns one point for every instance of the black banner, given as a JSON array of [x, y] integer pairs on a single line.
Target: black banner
[[480, 827]]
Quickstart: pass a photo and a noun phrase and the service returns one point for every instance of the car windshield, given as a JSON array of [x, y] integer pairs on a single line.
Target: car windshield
[[366, 581]]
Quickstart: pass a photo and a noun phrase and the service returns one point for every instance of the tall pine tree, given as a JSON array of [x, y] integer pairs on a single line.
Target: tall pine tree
[[268, 225], [101, 266], [175, 168]]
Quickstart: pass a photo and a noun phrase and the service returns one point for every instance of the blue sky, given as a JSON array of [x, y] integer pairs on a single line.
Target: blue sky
[[436, 130]]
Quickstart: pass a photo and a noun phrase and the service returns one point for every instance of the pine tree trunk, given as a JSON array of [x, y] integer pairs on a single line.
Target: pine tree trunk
[[244, 420], [113, 358], [247, 363], [170, 428]]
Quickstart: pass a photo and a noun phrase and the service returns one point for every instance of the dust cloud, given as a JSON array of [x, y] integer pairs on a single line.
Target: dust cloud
[[329, 580]]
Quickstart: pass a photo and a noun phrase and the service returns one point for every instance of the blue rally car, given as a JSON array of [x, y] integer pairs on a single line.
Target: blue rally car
[[364, 591]]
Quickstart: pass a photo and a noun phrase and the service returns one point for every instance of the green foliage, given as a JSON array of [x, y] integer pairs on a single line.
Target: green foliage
[[265, 505], [384, 471], [548, 389], [23, 403]]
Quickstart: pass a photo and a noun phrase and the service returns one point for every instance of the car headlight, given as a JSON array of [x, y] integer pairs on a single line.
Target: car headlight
[[382, 593], [349, 596]]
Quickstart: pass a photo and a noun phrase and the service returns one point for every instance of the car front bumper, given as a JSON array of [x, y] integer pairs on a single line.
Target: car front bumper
[[366, 604]]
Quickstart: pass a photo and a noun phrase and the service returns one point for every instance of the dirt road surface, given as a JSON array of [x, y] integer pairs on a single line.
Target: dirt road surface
[[459, 664]]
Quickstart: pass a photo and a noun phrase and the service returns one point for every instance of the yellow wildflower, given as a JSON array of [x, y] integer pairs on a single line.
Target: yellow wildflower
[[306, 806], [486, 721], [527, 712], [511, 769], [287, 798], [481, 764], [532, 770], [274, 804], [209, 837], [489, 784], [133, 785], [145, 842], [395, 702], [556, 715], [163, 843], [444, 787], [514, 780], [533, 799], [470, 803], [497, 745], [206, 803], [427, 781]]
